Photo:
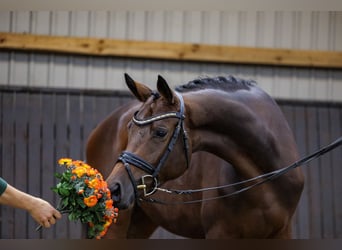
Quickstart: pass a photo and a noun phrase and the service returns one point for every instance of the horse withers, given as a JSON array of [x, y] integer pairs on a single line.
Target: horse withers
[[230, 118]]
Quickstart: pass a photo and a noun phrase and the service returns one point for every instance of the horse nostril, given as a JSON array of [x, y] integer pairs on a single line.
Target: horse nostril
[[116, 193]]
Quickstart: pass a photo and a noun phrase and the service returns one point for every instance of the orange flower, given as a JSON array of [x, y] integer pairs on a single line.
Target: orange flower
[[90, 201], [109, 204], [78, 163]]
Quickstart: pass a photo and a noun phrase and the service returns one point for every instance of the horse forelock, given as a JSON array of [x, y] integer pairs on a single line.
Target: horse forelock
[[229, 83]]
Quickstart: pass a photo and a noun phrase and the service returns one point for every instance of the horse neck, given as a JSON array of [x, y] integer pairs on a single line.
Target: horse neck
[[229, 126]]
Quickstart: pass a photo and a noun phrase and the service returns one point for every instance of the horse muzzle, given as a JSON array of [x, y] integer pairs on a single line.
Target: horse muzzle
[[121, 188]]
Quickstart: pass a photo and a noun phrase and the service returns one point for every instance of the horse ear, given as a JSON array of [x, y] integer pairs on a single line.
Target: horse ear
[[165, 91], [141, 92]]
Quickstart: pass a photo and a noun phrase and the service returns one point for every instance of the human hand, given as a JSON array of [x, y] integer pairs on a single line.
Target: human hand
[[43, 213]]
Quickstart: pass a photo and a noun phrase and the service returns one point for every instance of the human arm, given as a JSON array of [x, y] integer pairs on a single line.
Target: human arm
[[40, 210]]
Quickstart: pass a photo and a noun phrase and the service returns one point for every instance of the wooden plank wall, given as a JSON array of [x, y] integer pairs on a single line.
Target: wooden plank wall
[[38, 126]]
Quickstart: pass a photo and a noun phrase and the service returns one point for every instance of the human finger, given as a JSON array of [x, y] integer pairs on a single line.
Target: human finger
[[57, 215]]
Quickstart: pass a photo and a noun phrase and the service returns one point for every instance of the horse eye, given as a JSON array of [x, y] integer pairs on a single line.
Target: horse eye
[[160, 132]]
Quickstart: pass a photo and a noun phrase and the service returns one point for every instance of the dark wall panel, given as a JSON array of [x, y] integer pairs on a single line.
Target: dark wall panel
[[39, 126]]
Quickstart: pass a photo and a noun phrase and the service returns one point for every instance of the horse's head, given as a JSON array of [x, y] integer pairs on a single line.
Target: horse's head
[[157, 147]]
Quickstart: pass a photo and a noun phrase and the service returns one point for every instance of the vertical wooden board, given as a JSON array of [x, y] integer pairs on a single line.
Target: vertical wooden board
[[88, 120], [287, 109], [41, 22], [153, 69], [60, 25], [75, 148], [247, 72], [174, 25], [155, 28], [232, 27], [101, 108], [114, 74], [192, 27], [266, 30], [301, 139], [305, 34], [170, 72], [34, 155], [20, 161], [338, 30], [314, 179], [19, 69], [314, 29], [79, 75], [264, 78], [5, 21], [286, 32], [250, 30], [113, 103], [39, 70], [320, 84], [326, 174], [4, 67], [98, 24], [282, 83], [7, 220], [336, 159], [61, 151], [48, 157], [97, 73], [210, 31], [336, 86], [136, 25], [79, 23], [125, 99], [21, 21], [74, 126], [324, 36], [301, 87], [118, 24], [58, 71]]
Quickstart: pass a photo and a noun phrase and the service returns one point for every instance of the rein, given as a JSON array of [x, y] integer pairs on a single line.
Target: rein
[[265, 178]]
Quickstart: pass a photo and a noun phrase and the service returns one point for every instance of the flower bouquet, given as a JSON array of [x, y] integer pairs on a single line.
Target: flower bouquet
[[85, 196]]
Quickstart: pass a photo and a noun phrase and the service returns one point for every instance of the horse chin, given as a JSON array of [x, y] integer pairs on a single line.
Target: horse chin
[[123, 205]]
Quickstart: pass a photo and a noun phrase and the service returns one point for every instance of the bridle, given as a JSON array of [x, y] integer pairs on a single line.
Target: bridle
[[128, 158]]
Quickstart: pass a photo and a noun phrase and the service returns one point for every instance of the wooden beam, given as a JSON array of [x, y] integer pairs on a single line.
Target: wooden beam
[[171, 51]]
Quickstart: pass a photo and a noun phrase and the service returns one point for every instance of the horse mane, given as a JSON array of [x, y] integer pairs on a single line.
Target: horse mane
[[229, 83]]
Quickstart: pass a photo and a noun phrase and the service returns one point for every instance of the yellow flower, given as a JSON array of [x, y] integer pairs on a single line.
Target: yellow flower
[[94, 183], [79, 171], [91, 171], [65, 161]]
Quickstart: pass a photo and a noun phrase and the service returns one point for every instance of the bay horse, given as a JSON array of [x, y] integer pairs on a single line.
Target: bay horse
[[162, 140]]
